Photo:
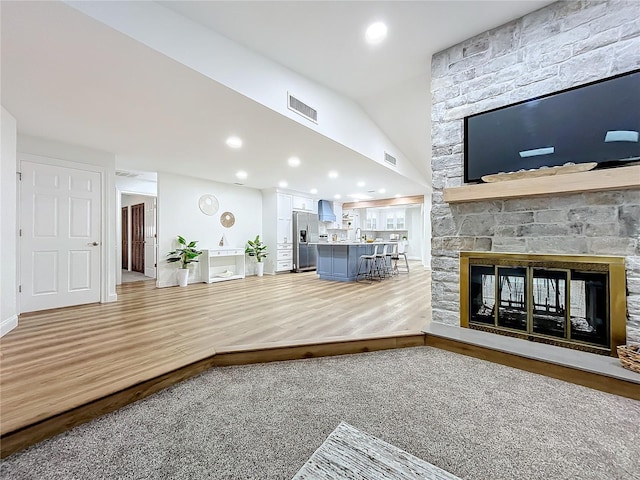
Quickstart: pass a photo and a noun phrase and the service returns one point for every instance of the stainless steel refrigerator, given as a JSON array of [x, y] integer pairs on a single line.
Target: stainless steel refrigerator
[[305, 232]]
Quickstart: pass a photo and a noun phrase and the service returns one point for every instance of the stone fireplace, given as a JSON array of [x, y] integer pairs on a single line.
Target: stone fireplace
[[575, 301], [591, 214]]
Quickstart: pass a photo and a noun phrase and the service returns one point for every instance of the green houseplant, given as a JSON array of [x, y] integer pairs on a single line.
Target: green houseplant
[[186, 254], [256, 248]]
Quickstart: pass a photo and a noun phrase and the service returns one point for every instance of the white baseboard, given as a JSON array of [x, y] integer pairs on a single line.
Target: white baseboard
[[112, 298], [8, 324]]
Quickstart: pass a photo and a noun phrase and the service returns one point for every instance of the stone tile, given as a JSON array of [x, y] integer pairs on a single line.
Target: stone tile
[[629, 220], [600, 214], [551, 216], [477, 225], [596, 41]]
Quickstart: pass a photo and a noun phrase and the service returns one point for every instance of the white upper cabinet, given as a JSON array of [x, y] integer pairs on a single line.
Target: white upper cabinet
[[284, 205], [302, 203]]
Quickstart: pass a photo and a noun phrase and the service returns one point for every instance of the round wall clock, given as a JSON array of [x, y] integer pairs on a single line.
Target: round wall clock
[[227, 219], [208, 204]]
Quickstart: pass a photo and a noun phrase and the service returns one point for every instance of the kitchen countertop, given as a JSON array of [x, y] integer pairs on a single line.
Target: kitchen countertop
[[353, 243]]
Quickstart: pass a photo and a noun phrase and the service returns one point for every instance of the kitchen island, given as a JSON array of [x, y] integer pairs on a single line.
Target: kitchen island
[[339, 260]]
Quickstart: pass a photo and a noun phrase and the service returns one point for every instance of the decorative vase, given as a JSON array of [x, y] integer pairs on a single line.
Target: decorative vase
[[260, 269], [182, 275]]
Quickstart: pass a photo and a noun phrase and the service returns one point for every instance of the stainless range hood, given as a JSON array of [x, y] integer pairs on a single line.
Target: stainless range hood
[[325, 212]]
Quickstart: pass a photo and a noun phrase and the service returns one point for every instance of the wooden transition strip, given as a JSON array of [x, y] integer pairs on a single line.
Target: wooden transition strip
[[596, 381], [621, 178], [243, 355], [24, 437]]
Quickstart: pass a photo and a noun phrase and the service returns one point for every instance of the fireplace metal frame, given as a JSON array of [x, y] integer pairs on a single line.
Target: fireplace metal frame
[[613, 266]]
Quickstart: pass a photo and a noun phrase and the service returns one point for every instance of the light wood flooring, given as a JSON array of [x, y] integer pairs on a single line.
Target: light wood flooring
[[59, 359]]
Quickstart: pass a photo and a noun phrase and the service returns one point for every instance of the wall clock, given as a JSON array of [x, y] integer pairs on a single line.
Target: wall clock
[[208, 204], [227, 219]]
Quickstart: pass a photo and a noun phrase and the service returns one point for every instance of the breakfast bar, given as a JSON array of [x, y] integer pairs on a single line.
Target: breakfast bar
[[339, 260]]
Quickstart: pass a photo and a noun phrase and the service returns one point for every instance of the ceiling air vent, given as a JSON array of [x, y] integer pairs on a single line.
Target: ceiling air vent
[[302, 108], [120, 173], [390, 159]]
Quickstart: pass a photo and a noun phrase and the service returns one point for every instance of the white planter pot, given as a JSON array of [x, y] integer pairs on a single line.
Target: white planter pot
[[182, 274], [260, 269]]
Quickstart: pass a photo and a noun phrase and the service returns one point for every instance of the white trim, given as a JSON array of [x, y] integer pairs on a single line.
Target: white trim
[[8, 324]]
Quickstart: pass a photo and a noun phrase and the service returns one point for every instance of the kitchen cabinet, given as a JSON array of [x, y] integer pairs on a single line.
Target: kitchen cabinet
[[222, 264], [277, 231], [284, 205], [284, 234], [304, 204]]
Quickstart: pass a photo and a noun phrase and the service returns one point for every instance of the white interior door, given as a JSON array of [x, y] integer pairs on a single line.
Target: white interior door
[[150, 237], [60, 239]]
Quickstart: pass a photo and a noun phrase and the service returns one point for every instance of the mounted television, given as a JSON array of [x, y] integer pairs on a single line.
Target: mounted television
[[597, 122]]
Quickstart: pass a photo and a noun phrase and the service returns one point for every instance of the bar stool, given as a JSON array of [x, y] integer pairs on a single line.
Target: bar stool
[[400, 252], [393, 260], [368, 261], [382, 267]]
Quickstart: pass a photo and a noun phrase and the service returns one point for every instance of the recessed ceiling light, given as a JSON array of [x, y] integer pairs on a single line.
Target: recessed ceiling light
[[376, 33], [293, 161], [382, 190], [337, 196], [282, 184], [313, 191], [333, 174], [234, 142], [361, 183], [241, 174], [398, 195]]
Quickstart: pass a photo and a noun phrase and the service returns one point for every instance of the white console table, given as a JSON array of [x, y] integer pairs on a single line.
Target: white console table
[[222, 264]]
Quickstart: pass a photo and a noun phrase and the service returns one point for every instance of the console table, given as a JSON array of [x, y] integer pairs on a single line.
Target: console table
[[222, 264]]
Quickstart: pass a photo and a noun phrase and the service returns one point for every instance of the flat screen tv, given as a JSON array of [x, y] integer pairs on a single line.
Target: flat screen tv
[[597, 122]]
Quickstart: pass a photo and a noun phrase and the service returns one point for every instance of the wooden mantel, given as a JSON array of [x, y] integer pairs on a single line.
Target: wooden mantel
[[621, 178]]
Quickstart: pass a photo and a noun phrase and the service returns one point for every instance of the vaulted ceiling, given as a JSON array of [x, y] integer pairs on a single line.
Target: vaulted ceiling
[[69, 77]]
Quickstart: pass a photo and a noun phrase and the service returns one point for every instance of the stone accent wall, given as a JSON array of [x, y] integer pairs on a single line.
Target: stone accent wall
[[557, 47]]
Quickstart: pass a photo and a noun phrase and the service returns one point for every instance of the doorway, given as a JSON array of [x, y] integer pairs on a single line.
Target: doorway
[[138, 237]]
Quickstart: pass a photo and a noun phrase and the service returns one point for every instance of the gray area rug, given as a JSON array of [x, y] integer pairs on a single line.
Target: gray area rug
[[351, 454], [474, 419]]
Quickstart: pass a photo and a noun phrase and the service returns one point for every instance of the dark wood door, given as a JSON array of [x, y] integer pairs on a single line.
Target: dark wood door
[[137, 238], [125, 238]]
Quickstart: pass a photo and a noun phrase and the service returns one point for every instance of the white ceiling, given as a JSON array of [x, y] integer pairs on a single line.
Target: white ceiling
[[68, 77]]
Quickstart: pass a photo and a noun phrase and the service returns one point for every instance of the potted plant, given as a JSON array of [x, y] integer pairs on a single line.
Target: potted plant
[[255, 248], [186, 254]]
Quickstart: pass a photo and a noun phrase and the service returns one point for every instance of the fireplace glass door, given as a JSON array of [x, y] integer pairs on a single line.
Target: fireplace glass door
[[549, 288], [512, 295], [589, 308], [483, 294], [559, 303]]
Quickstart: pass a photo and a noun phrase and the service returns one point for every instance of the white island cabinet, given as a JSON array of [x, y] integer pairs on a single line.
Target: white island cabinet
[[221, 264]]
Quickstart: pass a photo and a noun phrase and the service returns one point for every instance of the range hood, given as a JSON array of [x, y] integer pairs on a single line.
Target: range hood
[[325, 212]]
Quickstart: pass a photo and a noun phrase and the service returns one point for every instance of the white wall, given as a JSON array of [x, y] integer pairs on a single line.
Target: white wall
[[179, 214], [134, 185], [106, 162], [8, 225]]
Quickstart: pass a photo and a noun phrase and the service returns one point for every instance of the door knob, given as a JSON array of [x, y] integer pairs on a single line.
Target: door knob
[[93, 244]]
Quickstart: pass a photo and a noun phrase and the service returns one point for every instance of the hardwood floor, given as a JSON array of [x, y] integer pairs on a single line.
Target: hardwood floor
[[57, 360]]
